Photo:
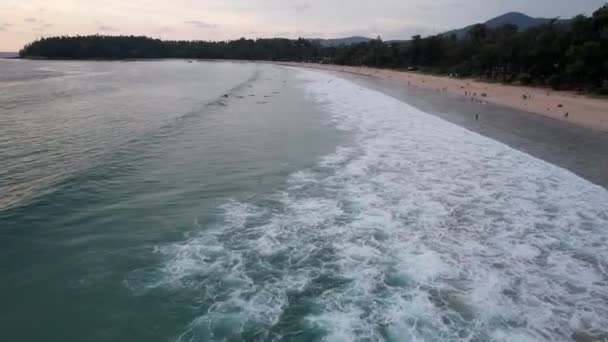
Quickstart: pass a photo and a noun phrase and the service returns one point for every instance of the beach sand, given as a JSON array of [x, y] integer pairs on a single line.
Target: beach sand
[[560, 105]]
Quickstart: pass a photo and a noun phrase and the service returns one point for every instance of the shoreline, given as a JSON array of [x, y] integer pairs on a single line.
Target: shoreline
[[581, 150], [564, 106]]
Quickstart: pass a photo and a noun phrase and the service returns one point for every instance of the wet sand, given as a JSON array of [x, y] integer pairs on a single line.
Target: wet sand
[[566, 106], [581, 150]]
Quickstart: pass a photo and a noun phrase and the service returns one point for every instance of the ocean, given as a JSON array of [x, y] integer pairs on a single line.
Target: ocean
[[226, 201], [9, 54]]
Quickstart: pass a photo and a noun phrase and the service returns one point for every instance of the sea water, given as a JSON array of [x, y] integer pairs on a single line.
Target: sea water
[[216, 201]]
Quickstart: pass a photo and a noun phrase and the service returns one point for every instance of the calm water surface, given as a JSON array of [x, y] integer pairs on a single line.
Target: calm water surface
[[217, 201]]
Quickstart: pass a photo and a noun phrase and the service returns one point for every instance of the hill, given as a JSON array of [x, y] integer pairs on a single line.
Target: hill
[[522, 21], [340, 41]]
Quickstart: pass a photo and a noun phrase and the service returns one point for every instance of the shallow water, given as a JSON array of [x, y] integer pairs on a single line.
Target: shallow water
[[315, 209]]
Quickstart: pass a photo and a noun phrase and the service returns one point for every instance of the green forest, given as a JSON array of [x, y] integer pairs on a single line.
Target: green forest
[[564, 56]]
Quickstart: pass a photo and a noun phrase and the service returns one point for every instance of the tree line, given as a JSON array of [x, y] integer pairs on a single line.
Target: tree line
[[137, 47], [571, 56]]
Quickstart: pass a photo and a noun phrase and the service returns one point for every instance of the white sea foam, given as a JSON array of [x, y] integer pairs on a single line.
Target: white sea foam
[[419, 230]]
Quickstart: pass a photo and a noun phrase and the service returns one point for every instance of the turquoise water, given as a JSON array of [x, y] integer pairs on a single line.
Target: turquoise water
[[104, 162], [217, 201]]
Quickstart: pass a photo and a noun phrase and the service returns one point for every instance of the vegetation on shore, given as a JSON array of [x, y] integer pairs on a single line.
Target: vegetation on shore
[[573, 56]]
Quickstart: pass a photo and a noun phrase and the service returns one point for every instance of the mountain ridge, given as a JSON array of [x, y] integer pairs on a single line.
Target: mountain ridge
[[337, 42], [521, 20]]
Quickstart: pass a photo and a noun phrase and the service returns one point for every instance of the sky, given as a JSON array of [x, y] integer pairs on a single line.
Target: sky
[[22, 21]]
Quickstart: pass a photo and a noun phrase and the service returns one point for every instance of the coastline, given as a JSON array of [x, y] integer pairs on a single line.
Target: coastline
[[581, 150], [565, 106]]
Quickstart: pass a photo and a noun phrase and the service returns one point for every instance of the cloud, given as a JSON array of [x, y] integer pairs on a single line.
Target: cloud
[[38, 25], [43, 26], [253, 6], [106, 28], [200, 24], [301, 7], [441, 7], [164, 29]]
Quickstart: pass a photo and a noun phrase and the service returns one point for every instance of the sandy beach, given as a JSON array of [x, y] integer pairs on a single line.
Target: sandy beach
[[560, 105]]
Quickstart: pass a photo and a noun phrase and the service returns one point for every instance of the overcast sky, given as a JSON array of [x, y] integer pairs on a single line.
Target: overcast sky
[[22, 21]]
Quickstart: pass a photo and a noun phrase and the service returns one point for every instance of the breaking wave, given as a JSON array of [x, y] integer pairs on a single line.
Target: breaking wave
[[416, 230]]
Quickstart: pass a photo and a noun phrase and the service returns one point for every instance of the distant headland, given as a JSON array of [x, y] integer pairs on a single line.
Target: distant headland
[[562, 54]]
